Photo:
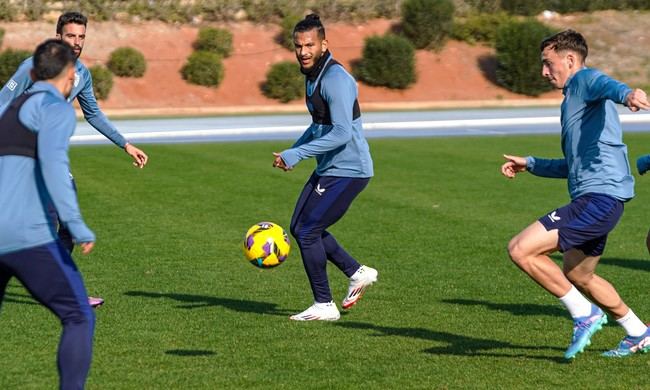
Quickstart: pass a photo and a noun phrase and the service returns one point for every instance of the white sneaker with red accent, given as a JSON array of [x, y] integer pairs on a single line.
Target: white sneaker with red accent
[[318, 312], [95, 302], [359, 282]]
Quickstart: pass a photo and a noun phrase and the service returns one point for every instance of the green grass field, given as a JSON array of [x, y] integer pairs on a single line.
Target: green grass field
[[184, 310]]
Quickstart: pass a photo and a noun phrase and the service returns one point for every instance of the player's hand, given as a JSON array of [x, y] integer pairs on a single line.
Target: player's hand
[[643, 164], [512, 166], [87, 247], [278, 162], [637, 100], [140, 158]]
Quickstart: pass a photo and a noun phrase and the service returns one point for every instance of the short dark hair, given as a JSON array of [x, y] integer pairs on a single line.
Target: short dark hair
[[70, 17], [567, 40], [310, 22], [51, 58]]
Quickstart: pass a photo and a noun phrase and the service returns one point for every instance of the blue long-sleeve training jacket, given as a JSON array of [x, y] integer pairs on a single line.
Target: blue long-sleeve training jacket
[[340, 148], [595, 157], [21, 81], [28, 185]]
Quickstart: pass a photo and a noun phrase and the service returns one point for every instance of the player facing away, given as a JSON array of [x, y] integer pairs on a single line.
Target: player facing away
[[595, 163], [71, 28], [34, 135], [344, 168]]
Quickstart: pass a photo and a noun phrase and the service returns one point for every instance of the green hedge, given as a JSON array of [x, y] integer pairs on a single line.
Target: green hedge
[[9, 61], [387, 61], [286, 35], [127, 62], [480, 28], [427, 23], [215, 40], [102, 81], [518, 57], [284, 82], [203, 68]]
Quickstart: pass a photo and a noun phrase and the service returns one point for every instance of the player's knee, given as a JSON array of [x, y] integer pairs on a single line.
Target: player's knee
[[578, 279], [516, 252]]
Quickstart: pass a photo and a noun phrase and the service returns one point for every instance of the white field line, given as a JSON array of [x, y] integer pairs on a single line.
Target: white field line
[[416, 125]]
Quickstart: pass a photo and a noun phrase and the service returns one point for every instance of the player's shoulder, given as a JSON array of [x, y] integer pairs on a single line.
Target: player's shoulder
[[587, 75], [337, 74]]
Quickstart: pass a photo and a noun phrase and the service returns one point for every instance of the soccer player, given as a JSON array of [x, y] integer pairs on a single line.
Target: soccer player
[[34, 135], [71, 28], [596, 165], [344, 168]]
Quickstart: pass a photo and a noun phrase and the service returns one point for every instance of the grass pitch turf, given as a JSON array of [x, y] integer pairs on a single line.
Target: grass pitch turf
[[184, 310]]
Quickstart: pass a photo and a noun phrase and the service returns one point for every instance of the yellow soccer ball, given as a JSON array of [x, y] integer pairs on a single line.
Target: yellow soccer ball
[[266, 245]]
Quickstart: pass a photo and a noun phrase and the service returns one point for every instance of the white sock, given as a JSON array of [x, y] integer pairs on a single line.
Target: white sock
[[632, 324], [576, 303]]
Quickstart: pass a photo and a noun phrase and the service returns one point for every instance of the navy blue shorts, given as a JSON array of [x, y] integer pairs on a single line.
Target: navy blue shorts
[[585, 222]]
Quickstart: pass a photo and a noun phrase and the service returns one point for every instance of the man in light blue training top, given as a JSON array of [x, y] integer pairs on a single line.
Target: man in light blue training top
[[595, 164], [71, 28], [34, 173], [344, 168]]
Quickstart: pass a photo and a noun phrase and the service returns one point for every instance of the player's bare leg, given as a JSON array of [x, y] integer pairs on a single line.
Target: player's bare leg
[[580, 270], [529, 251]]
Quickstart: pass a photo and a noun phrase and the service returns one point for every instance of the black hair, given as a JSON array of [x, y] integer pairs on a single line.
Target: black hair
[[51, 58], [70, 17], [567, 40], [311, 22]]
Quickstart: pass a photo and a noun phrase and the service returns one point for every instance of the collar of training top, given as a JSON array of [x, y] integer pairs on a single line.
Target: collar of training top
[[314, 71]]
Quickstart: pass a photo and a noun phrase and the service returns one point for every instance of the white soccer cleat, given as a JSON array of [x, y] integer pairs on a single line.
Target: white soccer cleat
[[359, 282], [318, 312]]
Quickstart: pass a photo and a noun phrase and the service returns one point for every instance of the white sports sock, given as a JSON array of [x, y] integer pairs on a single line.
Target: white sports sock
[[576, 303], [632, 324]]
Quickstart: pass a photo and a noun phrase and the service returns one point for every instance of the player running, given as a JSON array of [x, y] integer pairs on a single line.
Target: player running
[[596, 165]]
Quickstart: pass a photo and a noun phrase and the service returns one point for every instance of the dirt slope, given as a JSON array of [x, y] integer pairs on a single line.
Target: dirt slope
[[453, 75]]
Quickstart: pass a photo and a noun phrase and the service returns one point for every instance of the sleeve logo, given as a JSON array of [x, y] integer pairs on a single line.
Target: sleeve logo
[[11, 85]]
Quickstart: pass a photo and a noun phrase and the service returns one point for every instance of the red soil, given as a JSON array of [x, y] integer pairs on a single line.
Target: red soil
[[457, 75]]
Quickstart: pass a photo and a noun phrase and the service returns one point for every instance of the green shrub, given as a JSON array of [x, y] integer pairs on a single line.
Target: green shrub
[[9, 61], [2, 35], [203, 68], [8, 11], [127, 62], [102, 81], [215, 40], [34, 9], [479, 27], [286, 36], [427, 23], [518, 57], [284, 82], [170, 11], [388, 61], [523, 7]]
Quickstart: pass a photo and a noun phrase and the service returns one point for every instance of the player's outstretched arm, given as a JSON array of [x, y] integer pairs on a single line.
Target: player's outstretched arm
[[637, 100], [278, 162], [513, 165], [140, 158]]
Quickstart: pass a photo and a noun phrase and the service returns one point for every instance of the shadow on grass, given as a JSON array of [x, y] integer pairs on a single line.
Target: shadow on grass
[[526, 309], [634, 264], [189, 352], [200, 301], [459, 345], [23, 299]]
